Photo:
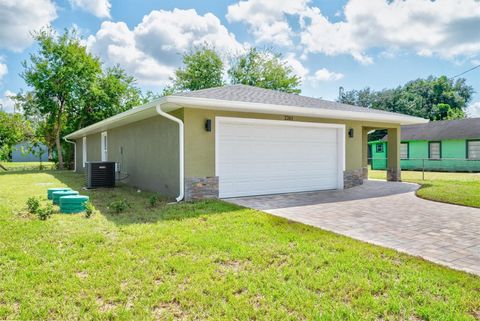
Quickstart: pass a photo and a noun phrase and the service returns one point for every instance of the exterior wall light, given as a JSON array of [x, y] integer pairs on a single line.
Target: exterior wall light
[[350, 133], [208, 125]]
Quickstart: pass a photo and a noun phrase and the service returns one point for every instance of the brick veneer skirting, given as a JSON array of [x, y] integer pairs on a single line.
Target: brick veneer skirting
[[353, 177], [201, 188]]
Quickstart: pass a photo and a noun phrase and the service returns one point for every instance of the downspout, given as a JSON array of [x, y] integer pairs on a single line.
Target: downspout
[[74, 153], [180, 147]]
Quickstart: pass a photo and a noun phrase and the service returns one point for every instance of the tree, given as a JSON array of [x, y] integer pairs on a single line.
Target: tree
[[70, 90], [61, 73], [112, 92], [13, 130], [264, 69], [432, 98], [203, 68]]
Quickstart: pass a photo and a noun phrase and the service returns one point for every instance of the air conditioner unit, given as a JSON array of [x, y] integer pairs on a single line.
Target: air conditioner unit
[[99, 174]]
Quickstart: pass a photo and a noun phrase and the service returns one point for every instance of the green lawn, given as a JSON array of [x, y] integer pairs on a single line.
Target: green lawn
[[16, 166], [455, 188], [204, 260]]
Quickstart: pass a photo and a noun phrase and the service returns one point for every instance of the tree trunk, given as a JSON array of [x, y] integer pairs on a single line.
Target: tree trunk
[[58, 143]]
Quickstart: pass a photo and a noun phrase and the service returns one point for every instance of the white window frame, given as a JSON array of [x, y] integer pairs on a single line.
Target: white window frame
[[104, 147], [407, 152], [468, 149], [84, 150], [439, 150]]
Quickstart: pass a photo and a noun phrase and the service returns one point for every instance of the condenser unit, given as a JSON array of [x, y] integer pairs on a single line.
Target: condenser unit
[[99, 174]]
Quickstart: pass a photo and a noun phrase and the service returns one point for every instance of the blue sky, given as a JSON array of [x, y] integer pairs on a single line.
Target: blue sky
[[329, 43]]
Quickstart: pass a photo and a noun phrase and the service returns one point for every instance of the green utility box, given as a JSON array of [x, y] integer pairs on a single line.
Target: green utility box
[[73, 203], [56, 189], [56, 195]]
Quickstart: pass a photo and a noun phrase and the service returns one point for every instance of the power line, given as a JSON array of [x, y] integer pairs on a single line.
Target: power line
[[463, 73]]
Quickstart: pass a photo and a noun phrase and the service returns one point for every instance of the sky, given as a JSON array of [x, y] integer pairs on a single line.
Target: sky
[[328, 43]]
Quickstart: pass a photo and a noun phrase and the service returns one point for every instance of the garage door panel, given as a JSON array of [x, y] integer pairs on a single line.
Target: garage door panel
[[267, 157]]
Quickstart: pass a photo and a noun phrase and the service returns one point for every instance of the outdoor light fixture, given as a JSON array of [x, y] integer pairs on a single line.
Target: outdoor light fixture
[[350, 133], [208, 125]]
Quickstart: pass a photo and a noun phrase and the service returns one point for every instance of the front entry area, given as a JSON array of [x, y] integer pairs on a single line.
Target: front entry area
[[260, 157]]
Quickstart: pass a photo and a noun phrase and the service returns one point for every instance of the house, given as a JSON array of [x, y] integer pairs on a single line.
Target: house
[[449, 145], [26, 152], [238, 141]]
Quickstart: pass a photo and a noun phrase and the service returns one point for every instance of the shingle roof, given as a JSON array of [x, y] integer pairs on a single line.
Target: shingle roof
[[468, 128], [244, 93]]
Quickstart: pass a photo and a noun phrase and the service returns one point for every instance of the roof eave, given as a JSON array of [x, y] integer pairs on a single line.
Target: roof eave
[[217, 104], [176, 102]]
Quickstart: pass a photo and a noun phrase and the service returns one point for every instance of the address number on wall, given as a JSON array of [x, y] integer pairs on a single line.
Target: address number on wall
[[288, 117]]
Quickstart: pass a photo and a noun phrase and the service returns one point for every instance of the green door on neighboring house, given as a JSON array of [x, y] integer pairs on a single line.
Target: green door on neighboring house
[[379, 155]]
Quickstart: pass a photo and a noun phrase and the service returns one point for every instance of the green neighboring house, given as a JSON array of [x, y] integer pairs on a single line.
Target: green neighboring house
[[450, 145]]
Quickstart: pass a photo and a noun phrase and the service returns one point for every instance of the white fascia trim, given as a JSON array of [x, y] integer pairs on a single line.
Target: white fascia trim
[[181, 150], [106, 123], [176, 102], [216, 104]]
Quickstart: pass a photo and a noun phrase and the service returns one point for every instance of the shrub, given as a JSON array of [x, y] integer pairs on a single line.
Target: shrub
[[89, 209], [44, 213], [119, 206], [33, 204]]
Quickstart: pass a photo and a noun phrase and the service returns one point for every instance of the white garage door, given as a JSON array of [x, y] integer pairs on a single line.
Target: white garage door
[[257, 157]]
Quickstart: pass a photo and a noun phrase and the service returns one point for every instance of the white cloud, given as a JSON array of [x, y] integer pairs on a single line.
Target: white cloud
[[298, 68], [3, 68], [474, 109], [324, 74], [321, 75], [267, 20], [443, 28], [99, 8], [18, 18], [152, 49], [6, 102]]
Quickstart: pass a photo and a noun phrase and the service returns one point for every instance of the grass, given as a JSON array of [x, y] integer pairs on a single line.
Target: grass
[[208, 260], [16, 166], [455, 188]]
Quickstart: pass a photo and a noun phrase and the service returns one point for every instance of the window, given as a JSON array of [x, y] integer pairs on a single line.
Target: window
[[84, 150], [404, 151], [434, 150], [104, 151], [473, 149], [379, 148]]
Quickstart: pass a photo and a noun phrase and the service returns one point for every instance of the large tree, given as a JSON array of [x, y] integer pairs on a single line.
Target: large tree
[[203, 68], [434, 98], [60, 75], [69, 89], [262, 68]]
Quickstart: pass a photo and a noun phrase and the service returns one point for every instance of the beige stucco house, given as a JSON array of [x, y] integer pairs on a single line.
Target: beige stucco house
[[239, 141]]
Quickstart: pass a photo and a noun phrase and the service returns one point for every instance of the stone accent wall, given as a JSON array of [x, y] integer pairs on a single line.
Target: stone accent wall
[[201, 188], [365, 172], [394, 175], [353, 177]]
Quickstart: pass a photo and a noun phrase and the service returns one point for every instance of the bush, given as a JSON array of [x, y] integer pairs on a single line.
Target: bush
[[89, 209], [33, 204], [119, 206], [44, 213]]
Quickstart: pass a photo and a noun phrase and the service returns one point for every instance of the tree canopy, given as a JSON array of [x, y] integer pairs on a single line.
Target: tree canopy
[[203, 68], [434, 98], [69, 88], [262, 68]]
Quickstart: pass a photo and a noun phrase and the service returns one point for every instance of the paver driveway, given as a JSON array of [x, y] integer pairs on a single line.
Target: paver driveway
[[387, 214]]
